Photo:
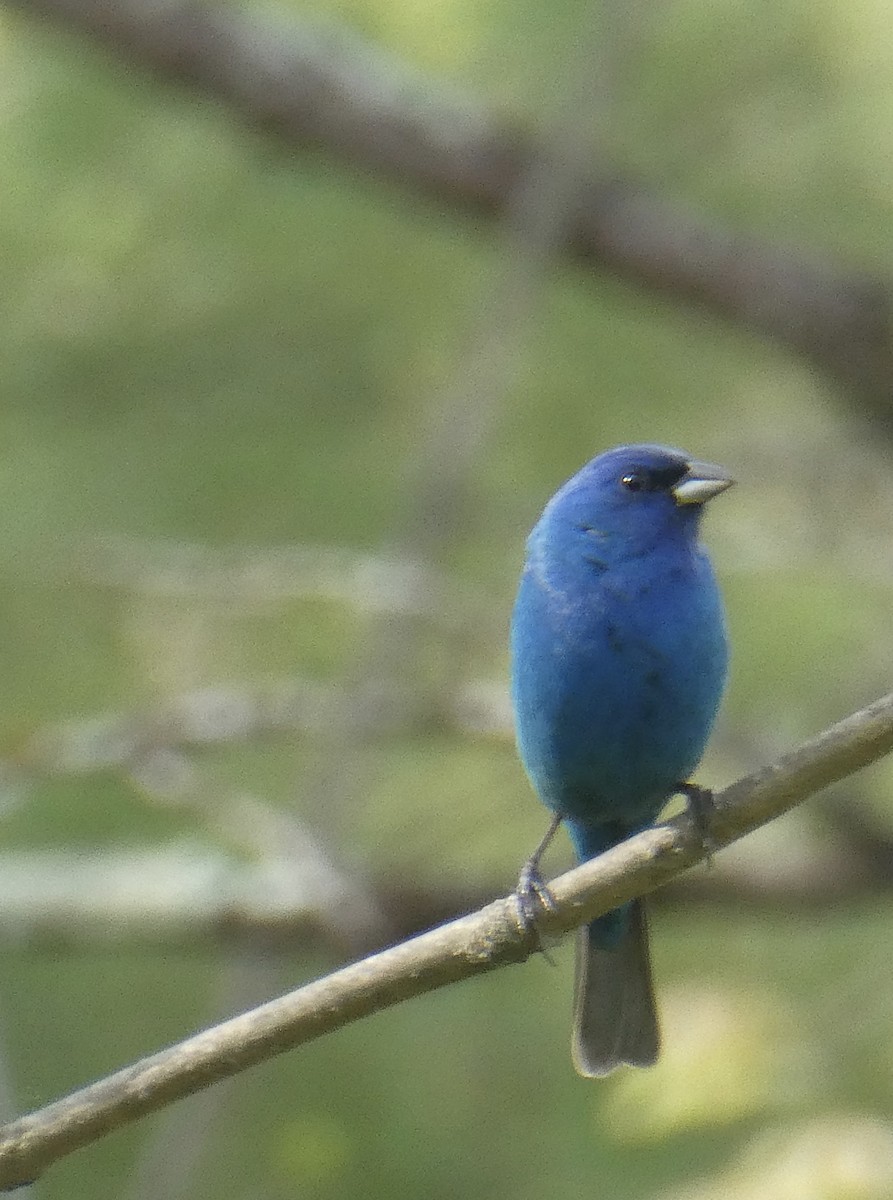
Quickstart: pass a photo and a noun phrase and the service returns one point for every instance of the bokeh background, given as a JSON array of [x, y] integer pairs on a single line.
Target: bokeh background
[[274, 427]]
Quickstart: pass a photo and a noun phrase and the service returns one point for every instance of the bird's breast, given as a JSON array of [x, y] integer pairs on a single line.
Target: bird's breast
[[617, 675]]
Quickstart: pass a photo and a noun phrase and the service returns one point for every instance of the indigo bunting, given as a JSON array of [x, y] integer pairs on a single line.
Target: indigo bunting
[[619, 660]]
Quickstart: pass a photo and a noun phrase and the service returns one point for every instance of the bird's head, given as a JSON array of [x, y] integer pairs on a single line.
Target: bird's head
[[634, 497]]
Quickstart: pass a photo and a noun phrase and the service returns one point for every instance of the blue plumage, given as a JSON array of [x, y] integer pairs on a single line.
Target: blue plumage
[[618, 665]]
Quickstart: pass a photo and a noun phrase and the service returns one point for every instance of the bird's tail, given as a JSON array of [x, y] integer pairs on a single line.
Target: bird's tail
[[615, 1020]]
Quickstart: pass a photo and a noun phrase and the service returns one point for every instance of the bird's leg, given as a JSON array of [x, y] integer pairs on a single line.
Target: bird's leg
[[532, 894], [700, 809]]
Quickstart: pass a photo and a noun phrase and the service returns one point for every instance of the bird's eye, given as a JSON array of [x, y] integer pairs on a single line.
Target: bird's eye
[[633, 481]]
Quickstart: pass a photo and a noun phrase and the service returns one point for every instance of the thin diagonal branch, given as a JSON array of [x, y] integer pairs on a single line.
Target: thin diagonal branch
[[489, 938], [321, 87]]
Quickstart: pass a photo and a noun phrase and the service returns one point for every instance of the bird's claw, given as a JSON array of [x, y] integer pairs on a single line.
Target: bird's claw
[[532, 899], [533, 892], [700, 809]]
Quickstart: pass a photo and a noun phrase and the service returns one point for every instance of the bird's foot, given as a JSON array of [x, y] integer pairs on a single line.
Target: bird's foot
[[532, 899], [700, 809], [532, 896]]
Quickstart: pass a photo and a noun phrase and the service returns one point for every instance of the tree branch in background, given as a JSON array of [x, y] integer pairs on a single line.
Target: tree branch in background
[[472, 945], [321, 87], [263, 874]]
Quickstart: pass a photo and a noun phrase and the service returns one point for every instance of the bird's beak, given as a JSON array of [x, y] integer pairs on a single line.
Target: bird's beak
[[700, 483]]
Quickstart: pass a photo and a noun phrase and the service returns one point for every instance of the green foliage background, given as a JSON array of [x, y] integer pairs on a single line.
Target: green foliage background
[[209, 337]]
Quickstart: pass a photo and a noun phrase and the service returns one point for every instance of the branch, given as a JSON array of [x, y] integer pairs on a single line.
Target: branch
[[182, 895], [472, 945], [207, 717], [258, 578], [326, 89]]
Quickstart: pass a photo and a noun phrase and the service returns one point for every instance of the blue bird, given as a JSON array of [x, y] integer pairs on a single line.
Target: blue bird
[[619, 661]]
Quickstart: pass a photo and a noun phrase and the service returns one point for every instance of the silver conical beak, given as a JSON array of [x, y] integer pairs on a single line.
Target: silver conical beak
[[700, 483]]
